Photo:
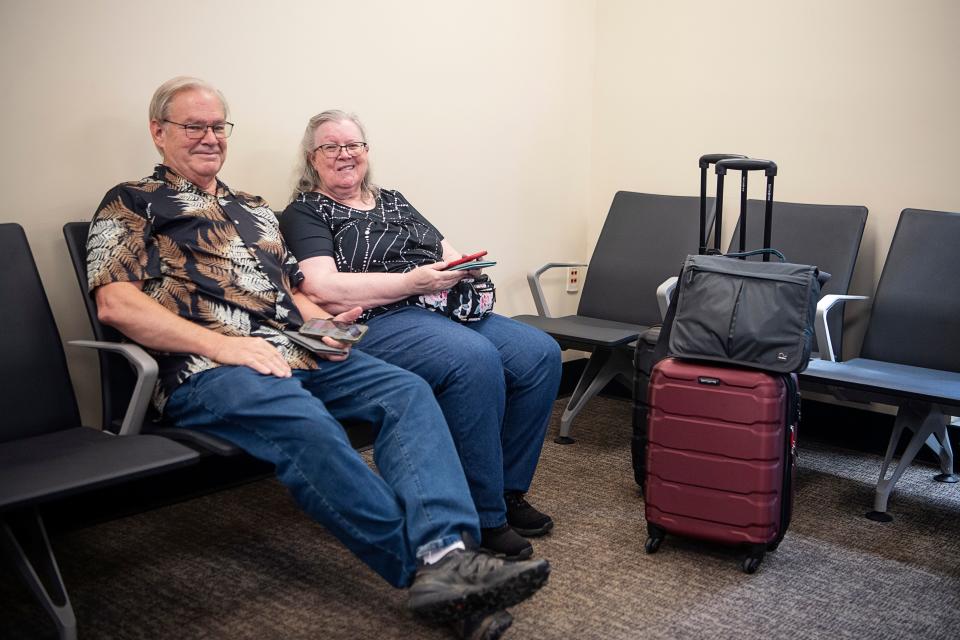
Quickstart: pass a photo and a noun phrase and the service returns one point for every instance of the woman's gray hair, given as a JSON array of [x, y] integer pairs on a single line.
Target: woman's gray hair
[[163, 96], [307, 177]]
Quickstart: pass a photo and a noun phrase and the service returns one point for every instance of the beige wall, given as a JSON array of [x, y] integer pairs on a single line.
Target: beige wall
[[477, 111], [509, 123], [856, 100]]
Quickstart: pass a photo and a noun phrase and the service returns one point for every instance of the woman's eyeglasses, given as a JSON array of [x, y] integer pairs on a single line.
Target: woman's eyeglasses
[[333, 150]]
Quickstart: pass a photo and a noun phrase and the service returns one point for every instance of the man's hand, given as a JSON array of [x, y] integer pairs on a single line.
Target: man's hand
[[256, 353], [431, 278], [350, 315], [124, 306]]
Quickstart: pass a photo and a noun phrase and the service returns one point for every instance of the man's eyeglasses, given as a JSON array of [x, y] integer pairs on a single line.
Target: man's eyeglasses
[[196, 131], [333, 150]]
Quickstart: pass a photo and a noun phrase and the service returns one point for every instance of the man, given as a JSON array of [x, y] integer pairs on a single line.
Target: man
[[198, 273]]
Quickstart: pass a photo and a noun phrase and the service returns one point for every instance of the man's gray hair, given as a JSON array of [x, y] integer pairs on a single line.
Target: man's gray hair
[[163, 96], [307, 177]]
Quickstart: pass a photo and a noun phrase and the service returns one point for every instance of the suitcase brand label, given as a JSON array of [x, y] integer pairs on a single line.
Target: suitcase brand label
[[706, 380]]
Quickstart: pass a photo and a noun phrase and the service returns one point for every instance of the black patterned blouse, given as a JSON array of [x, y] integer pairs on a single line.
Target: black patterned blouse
[[216, 260], [393, 237]]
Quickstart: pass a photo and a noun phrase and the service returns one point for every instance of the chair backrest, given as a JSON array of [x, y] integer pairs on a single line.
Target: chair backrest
[[36, 396], [824, 235], [117, 379], [915, 318], [644, 241]]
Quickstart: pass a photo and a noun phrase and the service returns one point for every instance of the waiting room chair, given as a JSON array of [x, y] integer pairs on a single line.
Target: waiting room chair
[[116, 376], [910, 355], [644, 240], [45, 452]]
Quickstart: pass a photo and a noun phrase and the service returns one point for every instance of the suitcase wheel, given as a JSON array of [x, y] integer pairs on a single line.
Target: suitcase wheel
[[755, 556], [751, 563], [652, 544]]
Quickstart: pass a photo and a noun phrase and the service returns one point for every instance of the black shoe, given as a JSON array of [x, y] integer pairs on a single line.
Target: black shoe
[[488, 626], [524, 518], [504, 542], [466, 582]]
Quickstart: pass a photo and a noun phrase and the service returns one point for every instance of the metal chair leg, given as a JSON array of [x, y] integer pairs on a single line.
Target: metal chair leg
[[25, 539], [941, 446], [603, 366], [928, 425]]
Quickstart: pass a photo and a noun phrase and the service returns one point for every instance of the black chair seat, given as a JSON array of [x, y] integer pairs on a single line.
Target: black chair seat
[[585, 330], [58, 464], [204, 442]]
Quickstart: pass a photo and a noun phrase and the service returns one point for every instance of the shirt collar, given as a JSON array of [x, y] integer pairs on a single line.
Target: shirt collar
[[165, 174]]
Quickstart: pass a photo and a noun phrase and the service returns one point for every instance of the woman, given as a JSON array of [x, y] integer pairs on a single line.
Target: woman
[[495, 379]]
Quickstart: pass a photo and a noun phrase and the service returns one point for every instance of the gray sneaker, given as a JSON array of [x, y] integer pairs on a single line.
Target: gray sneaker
[[467, 583], [489, 626]]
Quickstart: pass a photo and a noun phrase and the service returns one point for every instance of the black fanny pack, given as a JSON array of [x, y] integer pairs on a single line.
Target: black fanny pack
[[469, 300]]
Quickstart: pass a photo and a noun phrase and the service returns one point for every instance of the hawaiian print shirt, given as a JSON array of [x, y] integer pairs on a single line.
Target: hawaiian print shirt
[[216, 260]]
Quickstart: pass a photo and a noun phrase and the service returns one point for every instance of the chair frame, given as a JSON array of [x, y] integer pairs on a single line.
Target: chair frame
[[608, 340], [920, 410], [926, 398]]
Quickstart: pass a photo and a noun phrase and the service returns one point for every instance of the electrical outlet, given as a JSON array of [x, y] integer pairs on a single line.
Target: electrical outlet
[[573, 279]]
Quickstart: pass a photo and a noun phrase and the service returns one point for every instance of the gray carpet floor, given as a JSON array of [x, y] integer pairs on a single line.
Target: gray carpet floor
[[245, 563]]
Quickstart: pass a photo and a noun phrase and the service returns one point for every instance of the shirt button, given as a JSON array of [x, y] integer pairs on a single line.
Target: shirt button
[[236, 222]]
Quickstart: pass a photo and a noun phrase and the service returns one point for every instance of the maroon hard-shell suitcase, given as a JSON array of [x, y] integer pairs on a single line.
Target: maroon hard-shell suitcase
[[720, 458]]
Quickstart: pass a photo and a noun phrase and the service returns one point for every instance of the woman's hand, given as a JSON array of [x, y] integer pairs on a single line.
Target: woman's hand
[[431, 278], [349, 315]]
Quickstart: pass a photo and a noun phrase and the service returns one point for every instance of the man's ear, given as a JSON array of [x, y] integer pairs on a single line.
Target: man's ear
[[156, 132]]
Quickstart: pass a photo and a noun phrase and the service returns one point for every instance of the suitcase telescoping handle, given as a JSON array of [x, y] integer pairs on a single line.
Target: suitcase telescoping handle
[[745, 165], [705, 161]]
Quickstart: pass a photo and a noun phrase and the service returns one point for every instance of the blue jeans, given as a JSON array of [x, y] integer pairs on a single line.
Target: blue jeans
[[418, 503], [496, 381]]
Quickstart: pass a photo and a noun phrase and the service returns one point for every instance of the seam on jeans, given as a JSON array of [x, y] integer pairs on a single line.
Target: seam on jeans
[[529, 373], [414, 473], [444, 382], [194, 394]]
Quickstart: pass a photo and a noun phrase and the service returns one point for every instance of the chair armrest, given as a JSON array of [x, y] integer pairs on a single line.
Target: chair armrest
[[147, 371], [533, 279], [665, 295], [824, 343]]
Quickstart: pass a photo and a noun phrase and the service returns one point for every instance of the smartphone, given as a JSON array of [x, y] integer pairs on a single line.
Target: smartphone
[[465, 259], [341, 331], [314, 344], [478, 264]]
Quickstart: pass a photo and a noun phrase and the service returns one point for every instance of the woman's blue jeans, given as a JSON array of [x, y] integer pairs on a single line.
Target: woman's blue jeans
[[419, 501], [496, 381]]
